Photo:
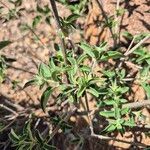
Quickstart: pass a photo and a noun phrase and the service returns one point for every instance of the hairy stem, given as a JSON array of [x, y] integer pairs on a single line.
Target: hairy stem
[[136, 46], [117, 22], [60, 30], [137, 104], [88, 114], [100, 3], [118, 140]]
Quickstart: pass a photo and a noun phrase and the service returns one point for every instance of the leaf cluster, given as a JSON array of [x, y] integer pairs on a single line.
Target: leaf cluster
[[29, 139]]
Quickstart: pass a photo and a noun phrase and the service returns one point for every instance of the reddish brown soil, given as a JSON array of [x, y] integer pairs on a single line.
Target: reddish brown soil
[[29, 53]]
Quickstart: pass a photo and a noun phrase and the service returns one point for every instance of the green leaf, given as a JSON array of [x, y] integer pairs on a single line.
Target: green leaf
[[128, 35], [39, 80], [1, 126], [107, 113], [122, 73], [81, 90], [13, 136], [87, 49], [72, 79], [30, 82], [47, 20], [85, 68], [129, 122], [71, 99], [39, 137], [45, 96], [72, 18], [28, 128], [8, 59], [36, 20], [55, 75], [148, 61], [43, 10], [52, 63], [17, 3], [123, 100], [24, 27], [143, 58], [1, 7], [49, 147], [141, 36], [139, 51], [109, 102], [68, 90], [109, 73], [4, 44], [101, 48], [81, 58], [39, 9], [119, 126], [146, 88], [72, 61], [123, 89], [120, 11], [117, 113], [98, 81], [44, 71], [111, 54], [93, 92], [110, 128], [23, 147], [46, 9], [125, 111]]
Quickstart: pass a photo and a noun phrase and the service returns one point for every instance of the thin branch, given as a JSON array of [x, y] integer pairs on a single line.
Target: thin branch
[[72, 46], [100, 4], [117, 21], [7, 101], [129, 51], [118, 4], [121, 22], [137, 45], [17, 106], [130, 44], [60, 33], [2, 129], [94, 64], [60, 30], [89, 116], [128, 79], [133, 105], [118, 140], [8, 109], [34, 33], [137, 104]]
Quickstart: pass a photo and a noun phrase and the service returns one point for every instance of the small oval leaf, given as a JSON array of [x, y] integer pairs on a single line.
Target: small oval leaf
[[45, 96], [30, 82]]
